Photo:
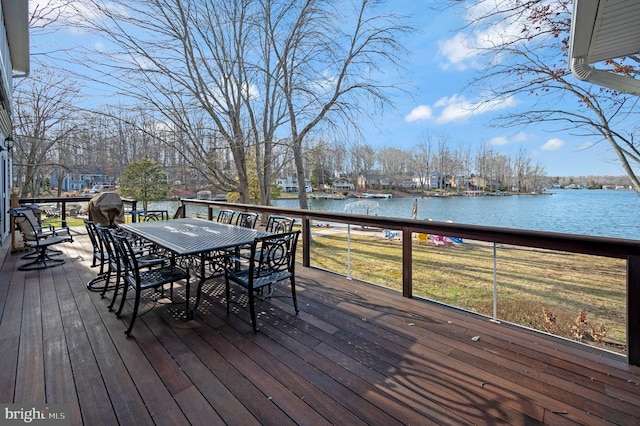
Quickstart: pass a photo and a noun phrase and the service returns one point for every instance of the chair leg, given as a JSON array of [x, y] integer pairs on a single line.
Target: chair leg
[[107, 278], [227, 293], [42, 261], [293, 294], [187, 295], [252, 310], [125, 287], [134, 314], [115, 292]]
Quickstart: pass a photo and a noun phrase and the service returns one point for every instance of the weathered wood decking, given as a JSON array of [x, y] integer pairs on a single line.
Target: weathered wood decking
[[356, 354]]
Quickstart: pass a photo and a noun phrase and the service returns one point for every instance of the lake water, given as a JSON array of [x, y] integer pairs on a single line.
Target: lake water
[[608, 213], [591, 212]]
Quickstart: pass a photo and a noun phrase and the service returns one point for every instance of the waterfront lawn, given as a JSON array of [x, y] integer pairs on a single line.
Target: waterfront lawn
[[571, 295]]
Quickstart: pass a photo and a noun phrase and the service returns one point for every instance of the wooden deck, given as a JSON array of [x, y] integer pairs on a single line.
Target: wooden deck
[[356, 354]]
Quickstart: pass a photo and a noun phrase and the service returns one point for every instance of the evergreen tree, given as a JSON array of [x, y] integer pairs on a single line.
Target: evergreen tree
[[144, 181]]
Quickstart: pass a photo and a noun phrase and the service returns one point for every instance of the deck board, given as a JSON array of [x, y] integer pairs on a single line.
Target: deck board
[[355, 354]]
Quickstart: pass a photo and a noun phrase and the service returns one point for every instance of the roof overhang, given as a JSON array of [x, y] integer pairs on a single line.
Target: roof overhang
[[603, 30], [16, 22]]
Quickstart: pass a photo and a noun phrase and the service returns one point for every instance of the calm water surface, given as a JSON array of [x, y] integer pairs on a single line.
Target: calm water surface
[[591, 212], [605, 213]]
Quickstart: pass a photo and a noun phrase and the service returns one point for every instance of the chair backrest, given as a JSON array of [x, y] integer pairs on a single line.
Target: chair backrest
[[179, 212], [108, 243], [246, 220], [26, 220], [153, 215], [128, 257], [225, 216], [92, 231], [273, 255], [279, 224]]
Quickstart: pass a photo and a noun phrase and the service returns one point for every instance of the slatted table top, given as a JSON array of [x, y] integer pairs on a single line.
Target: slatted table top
[[190, 236]]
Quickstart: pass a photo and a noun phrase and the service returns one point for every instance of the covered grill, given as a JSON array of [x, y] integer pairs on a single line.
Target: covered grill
[[106, 209]]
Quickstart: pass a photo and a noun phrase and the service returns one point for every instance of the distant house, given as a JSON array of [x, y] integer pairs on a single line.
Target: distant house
[[290, 184], [81, 181], [342, 184], [407, 184], [374, 181], [481, 183]]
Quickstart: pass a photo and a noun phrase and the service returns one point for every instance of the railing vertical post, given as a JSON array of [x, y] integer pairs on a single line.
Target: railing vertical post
[[134, 211], [348, 251], [495, 284], [306, 242], [63, 215], [407, 263], [633, 309]]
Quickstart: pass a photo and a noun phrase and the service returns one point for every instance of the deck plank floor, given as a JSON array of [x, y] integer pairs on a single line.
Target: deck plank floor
[[355, 354]]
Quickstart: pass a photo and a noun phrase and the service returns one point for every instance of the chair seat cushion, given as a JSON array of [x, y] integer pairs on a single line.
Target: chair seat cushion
[[46, 242]]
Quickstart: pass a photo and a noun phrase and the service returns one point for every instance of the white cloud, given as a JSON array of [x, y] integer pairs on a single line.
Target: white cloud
[[419, 113], [72, 14], [520, 137], [504, 140], [553, 144], [488, 25], [458, 53], [458, 109], [499, 141]]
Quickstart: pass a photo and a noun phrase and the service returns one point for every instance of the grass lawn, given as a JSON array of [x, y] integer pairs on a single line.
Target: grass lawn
[[571, 295]]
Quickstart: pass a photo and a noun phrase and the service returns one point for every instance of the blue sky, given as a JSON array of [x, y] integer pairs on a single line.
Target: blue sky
[[441, 104]]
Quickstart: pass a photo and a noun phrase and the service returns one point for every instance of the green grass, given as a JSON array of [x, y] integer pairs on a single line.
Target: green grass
[[547, 291]]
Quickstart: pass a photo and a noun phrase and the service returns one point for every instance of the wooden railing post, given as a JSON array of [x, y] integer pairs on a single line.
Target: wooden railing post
[[134, 210], [633, 309], [63, 214], [306, 242]]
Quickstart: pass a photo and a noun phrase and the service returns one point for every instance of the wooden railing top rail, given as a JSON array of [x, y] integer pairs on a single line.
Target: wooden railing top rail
[[599, 246], [41, 200]]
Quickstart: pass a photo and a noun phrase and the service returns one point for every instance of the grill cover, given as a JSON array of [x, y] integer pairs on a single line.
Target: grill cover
[[107, 209]]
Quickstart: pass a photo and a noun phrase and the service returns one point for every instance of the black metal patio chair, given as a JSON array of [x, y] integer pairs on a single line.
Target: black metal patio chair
[[246, 220], [139, 280], [116, 265], [276, 225], [225, 216], [279, 224], [99, 257], [40, 239], [153, 215], [272, 260]]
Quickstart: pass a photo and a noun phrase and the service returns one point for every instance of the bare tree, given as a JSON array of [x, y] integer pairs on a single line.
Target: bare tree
[[42, 117], [525, 45], [422, 161], [362, 160], [328, 61], [189, 64], [393, 162]]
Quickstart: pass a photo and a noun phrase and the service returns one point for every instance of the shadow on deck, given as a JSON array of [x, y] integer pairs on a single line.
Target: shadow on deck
[[356, 354]]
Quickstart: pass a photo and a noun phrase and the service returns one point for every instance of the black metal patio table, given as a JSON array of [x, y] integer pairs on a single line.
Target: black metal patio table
[[196, 238]]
